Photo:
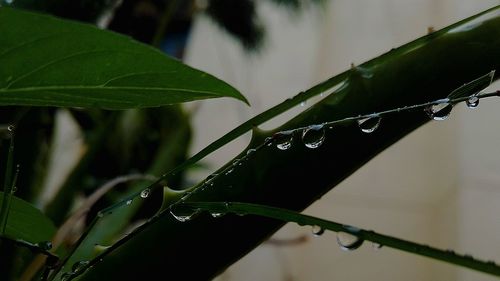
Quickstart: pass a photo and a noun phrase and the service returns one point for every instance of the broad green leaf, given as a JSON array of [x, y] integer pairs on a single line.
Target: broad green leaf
[[46, 61], [25, 222]]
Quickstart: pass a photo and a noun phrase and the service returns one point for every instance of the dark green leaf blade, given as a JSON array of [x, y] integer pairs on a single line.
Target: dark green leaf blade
[[47, 61], [27, 223], [368, 235]]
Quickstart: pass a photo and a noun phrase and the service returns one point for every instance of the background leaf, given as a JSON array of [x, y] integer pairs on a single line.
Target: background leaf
[[52, 62], [27, 223]]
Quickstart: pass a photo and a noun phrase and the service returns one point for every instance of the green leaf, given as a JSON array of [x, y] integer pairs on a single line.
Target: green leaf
[[48, 61], [26, 222], [473, 87], [320, 225]]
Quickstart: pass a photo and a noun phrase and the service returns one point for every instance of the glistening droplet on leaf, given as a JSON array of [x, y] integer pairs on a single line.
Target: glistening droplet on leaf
[[129, 201], [313, 136], [183, 213], [11, 128], [250, 151], [370, 124], [284, 140], [79, 266], [439, 111], [216, 214], [348, 242], [145, 193], [317, 230], [472, 102]]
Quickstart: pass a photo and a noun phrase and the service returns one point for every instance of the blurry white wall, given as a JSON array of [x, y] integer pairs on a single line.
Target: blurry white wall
[[439, 186]]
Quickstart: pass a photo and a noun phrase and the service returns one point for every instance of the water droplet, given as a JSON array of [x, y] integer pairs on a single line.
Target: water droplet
[[183, 213], [284, 140], [79, 265], [229, 171], [439, 111], [313, 136], [250, 151], [317, 230], [11, 128], [67, 276], [303, 103], [129, 201], [348, 242], [370, 124], [216, 214], [45, 245], [145, 193], [472, 102], [377, 246]]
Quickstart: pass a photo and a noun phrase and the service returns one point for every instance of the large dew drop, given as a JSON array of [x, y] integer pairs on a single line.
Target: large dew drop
[[145, 193], [317, 230], [370, 124], [183, 213], [284, 140], [348, 242], [313, 136], [472, 102], [439, 111]]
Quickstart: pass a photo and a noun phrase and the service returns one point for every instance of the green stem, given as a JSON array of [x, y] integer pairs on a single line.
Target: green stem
[[7, 195]]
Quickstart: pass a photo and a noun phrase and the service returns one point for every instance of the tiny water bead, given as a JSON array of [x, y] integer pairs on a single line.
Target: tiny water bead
[[79, 266], [348, 242], [11, 128], [439, 111], [313, 136], [216, 214], [250, 151], [129, 201], [317, 230], [369, 124], [45, 245], [145, 193], [472, 102]]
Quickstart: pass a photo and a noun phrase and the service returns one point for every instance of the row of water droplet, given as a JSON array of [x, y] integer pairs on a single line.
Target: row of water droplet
[[313, 136]]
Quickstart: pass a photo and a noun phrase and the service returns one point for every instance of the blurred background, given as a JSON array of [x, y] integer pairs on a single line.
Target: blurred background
[[438, 186]]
